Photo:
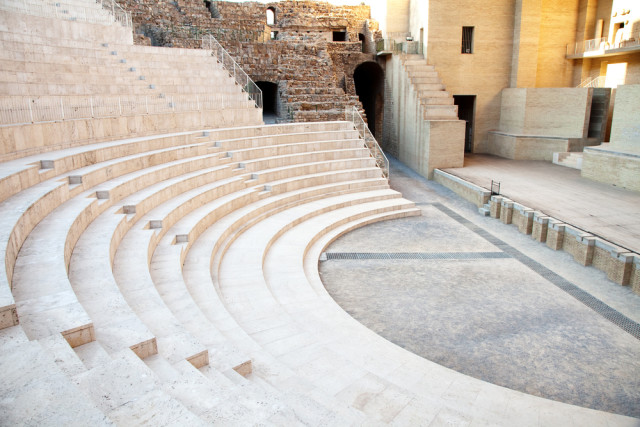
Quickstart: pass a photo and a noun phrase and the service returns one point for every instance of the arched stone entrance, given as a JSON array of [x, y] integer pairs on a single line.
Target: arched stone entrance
[[368, 78], [269, 101]]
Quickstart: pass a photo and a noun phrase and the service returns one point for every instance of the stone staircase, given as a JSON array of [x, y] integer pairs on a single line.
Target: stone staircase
[[314, 95], [570, 159], [436, 101]]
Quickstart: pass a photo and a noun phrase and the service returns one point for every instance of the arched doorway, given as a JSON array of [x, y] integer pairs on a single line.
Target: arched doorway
[[368, 78], [269, 101]]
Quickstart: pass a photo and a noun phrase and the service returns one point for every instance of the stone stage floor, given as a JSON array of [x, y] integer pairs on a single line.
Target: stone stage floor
[[475, 295], [601, 209]]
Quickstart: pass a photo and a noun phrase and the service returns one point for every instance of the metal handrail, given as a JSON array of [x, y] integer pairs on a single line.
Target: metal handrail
[[593, 82], [587, 46], [119, 14], [21, 110], [353, 115], [228, 63]]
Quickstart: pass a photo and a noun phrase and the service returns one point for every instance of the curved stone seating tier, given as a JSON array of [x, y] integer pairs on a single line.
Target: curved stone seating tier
[[132, 275], [259, 208], [29, 139], [33, 204]]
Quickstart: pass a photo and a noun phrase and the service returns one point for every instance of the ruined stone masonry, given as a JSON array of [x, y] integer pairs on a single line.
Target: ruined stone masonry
[[308, 54]]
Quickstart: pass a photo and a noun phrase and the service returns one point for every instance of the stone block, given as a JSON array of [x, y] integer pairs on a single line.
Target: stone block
[[506, 211], [613, 260], [199, 360], [495, 203], [579, 244], [522, 218], [635, 275], [8, 316], [540, 227], [244, 369], [555, 235], [80, 335], [146, 348]]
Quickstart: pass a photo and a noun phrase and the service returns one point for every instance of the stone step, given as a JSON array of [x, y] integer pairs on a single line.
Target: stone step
[[439, 112], [435, 80], [568, 159], [429, 87], [36, 392], [125, 389], [92, 355], [65, 357]]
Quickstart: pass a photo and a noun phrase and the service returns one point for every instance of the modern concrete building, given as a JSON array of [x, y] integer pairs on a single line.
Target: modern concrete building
[[531, 79]]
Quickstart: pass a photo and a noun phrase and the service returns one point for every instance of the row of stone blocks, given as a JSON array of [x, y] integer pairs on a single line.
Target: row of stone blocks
[[620, 265]]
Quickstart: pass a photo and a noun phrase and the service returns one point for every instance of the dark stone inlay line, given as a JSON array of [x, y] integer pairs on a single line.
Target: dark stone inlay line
[[609, 313], [416, 255]]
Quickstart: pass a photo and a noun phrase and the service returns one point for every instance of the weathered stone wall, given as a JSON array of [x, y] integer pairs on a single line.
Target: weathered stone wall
[[313, 73]]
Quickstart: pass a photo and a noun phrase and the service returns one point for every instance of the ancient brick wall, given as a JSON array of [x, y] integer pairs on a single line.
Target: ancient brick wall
[[314, 74]]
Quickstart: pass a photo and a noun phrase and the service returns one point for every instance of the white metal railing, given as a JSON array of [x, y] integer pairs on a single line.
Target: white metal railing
[[587, 46], [593, 82], [119, 14], [353, 115], [601, 45], [632, 41], [96, 12], [228, 63], [21, 110]]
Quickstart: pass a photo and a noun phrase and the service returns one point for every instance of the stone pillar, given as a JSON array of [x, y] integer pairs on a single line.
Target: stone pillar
[[540, 227], [506, 211]]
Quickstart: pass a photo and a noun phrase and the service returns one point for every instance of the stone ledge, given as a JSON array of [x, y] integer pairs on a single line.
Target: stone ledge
[[620, 265], [468, 191]]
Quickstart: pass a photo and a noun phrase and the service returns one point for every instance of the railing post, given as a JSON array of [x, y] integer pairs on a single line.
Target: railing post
[[91, 105], [62, 108], [146, 104], [119, 106], [30, 109]]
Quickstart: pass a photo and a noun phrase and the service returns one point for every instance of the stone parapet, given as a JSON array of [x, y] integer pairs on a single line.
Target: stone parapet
[[506, 211], [477, 195], [540, 226], [555, 234], [620, 265], [617, 262], [579, 244], [522, 218], [495, 205]]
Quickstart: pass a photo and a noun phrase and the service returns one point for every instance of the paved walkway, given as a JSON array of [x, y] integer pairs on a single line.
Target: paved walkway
[[475, 295], [601, 209]]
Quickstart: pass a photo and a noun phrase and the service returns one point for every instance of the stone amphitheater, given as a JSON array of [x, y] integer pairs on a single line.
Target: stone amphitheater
[[153, 228]]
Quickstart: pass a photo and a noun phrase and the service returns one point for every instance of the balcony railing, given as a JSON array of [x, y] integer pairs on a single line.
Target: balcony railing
[[352, 115], [228, 63], [595, 47]]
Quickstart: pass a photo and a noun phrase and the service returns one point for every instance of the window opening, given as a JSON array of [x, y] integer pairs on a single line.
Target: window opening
[[467, 39], [339, 36], [271, 16]]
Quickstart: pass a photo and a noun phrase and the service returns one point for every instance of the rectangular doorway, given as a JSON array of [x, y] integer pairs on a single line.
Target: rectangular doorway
[[466, 111]]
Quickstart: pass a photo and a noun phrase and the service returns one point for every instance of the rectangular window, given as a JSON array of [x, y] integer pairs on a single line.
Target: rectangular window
[[339, 36], [467, 39]]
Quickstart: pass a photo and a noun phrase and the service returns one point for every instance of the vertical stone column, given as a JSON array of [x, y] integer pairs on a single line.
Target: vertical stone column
[[526, 34]]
